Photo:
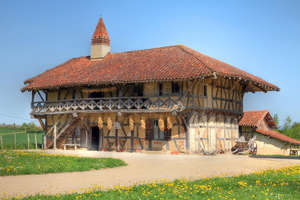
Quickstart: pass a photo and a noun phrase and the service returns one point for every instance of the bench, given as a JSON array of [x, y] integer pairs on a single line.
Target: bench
[[71, 145]]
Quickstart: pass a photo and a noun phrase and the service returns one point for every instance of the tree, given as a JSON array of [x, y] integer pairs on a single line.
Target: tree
[[288, 123], [276, 119]]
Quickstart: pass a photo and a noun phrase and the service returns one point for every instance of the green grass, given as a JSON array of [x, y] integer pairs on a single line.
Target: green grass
[[21, 138], [18, 162], [271, 184]]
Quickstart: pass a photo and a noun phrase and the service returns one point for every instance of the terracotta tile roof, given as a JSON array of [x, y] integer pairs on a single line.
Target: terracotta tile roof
[[157, 64], [100, 34], [277, 135], [253, 118]]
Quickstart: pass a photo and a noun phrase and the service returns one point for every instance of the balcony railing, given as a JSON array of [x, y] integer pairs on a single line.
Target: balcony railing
[[111, 104], [135, 104]]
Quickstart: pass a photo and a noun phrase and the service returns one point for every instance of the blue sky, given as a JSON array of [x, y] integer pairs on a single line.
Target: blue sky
[[259, 36]]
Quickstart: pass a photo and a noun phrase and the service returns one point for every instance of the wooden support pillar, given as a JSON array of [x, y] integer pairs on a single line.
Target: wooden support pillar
[[100, 140], [35, 141], [186, 121], [224, 132], [54, 137], [132, 140], [42, 124], [28, 141], [208, 132], [45, 142], [187, 139], [32, 98], [116, 134]]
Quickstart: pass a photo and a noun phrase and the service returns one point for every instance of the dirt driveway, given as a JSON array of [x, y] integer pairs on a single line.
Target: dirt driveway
[[141, 168]]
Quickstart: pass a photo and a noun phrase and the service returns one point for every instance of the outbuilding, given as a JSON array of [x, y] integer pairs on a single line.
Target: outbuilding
[[261, 125]]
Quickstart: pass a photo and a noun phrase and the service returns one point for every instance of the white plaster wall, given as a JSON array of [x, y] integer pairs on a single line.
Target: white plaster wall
[[99, 51]]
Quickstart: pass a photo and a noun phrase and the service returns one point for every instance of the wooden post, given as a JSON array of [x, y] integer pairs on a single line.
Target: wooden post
[[35, 141], [1, 142], [100, 140], [28, 141], [117, 139], [187, 138], [15, 140], [132, 140], [116, 133], [45, 142], [54, 137]]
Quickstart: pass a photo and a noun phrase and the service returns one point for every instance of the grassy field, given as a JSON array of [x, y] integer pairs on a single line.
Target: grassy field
[[21, 138], [18, 162], [282, 183]]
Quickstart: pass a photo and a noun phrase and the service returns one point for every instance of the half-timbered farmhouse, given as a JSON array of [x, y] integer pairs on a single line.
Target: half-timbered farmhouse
[[260, 124], [170, 98]]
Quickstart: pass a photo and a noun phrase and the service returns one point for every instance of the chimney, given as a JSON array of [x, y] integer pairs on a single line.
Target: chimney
[[100, 42]]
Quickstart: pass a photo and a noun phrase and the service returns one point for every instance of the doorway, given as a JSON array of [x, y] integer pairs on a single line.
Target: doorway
[[95, 138]]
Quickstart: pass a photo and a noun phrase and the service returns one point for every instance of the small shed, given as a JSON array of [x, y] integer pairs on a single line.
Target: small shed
[[261, 125]]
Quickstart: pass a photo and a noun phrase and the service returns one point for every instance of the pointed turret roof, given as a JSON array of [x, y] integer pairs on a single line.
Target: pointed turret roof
[[100, 31]]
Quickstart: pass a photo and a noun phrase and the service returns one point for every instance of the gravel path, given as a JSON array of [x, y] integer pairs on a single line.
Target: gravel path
[[141, 168]]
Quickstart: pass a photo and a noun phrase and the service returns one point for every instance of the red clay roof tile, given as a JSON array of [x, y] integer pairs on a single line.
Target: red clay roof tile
[[277, 135], [252, 118], [100, 31], [157, 64]]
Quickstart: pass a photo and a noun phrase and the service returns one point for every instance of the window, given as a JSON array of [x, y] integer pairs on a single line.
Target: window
[[100, 94], [138, 90], [175, 88], [96, 95], [160, 89], [205, 90]]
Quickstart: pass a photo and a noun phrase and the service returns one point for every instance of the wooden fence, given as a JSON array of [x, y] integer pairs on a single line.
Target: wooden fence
[[21, 140]]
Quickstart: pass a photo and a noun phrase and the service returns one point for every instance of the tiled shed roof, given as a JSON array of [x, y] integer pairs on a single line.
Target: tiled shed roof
[[277, 135], [158, 64], [253, 118]]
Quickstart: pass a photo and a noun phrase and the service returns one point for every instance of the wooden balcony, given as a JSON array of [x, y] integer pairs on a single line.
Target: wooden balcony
[[135, 105], [111, 104]]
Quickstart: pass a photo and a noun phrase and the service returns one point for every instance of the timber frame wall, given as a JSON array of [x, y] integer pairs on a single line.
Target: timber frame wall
[[203, 116]]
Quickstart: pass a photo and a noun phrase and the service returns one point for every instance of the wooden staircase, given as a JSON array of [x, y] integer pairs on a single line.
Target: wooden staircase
[[64, 132]]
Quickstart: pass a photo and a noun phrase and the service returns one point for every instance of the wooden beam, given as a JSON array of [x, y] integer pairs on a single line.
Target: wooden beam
[[66, 94], [42, 98], [54, 137], [117, 135], [35, 141], [187, 133], [42, 124], [32, 98]]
